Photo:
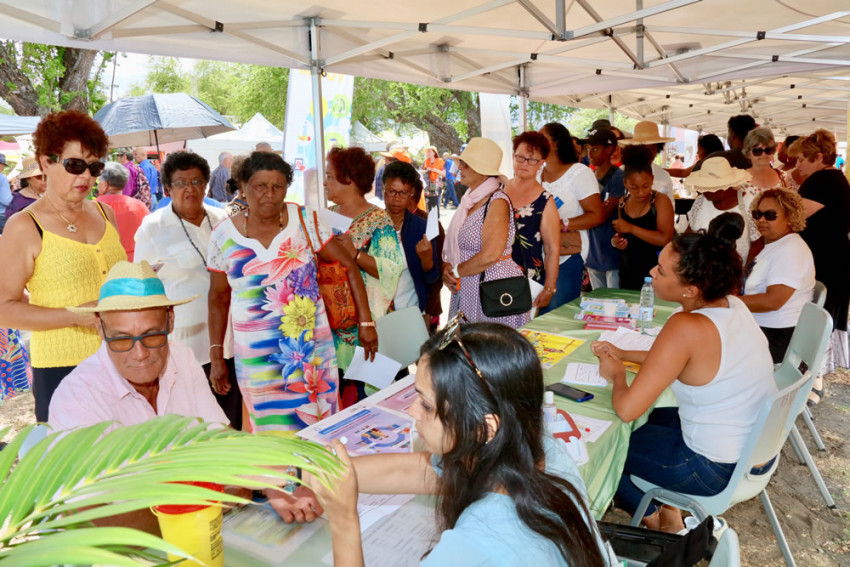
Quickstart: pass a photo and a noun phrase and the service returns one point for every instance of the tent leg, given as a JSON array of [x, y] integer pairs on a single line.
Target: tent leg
[[318, 114]]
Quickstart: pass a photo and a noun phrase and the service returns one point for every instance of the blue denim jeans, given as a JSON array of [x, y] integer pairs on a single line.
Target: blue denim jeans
[[658, 454], [569, 283], [601, 279]]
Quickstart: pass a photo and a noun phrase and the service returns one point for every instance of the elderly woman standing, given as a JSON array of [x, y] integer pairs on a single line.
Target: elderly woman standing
[[177, 237], [32, 187], [371, 240], [760, 148], [826, 199], [263, 272], [60, 252], [466, 253], [783, 276]]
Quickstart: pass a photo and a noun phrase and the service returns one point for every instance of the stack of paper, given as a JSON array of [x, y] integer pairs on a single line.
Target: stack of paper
[[583, 374]]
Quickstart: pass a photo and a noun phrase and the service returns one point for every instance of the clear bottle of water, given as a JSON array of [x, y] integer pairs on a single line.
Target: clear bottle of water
[[550, 412], [647, 304]]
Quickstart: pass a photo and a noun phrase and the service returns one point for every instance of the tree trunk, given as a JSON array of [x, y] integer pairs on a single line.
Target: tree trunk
[[78, 64], [15, 86]]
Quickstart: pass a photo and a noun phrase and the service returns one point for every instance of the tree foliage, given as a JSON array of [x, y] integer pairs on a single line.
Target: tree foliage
[[36, 79]]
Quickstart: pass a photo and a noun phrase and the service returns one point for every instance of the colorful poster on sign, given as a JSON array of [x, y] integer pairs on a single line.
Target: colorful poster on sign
[[551, 348], [299, 134]]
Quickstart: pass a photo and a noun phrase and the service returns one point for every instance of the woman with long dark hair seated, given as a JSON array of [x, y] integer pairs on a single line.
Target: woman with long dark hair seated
[[509, 494], [713, 357]]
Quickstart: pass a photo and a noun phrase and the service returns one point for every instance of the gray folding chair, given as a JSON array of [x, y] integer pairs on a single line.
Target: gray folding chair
[[401, 335], [818, 298], [807, 347]]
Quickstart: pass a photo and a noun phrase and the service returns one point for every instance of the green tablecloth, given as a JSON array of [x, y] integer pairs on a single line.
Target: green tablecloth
[[608, 454]]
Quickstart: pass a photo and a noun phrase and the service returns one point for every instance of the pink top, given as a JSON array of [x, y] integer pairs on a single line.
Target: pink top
[[129, 213], [94, 392]]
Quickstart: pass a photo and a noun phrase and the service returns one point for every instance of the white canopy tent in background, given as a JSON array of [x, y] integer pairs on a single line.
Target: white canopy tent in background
[[686, 63], [241, 141]]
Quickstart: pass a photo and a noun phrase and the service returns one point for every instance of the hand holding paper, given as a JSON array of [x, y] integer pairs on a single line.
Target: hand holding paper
[[379, 372], [432, 229], [336, 221]]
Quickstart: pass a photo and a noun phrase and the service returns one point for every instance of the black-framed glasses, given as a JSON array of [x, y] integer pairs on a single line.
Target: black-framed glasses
[[768, 215], [767, 151], [155, 339], [528, 160], [403, 193], [451, 334], [197, 183], [76, 166]]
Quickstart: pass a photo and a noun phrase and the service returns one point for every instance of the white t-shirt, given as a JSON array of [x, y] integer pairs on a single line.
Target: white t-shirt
[[662, 182], [717, 417], [577, 183], [788, 261], [703, 212], [405, 295], [161, 239]]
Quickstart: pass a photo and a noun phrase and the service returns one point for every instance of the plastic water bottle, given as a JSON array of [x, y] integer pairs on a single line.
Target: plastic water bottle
[[647, 304], [550, 412]]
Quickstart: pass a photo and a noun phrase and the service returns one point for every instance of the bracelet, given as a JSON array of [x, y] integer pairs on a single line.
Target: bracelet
[[291, 485], [366, 324], [552, 290], [357, 255], [565, 225], [213, 346]]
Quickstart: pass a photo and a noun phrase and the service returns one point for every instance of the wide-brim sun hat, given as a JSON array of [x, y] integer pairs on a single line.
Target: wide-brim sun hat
[[715, 174], [646, 132], [397, 153], [483, 156], [29, 168], [131, 287]]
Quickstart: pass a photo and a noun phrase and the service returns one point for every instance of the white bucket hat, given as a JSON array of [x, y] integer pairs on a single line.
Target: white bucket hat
[[716, 174], [483, 156]]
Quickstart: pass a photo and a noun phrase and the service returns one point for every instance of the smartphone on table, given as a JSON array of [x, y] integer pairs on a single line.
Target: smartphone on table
[[569, 392]]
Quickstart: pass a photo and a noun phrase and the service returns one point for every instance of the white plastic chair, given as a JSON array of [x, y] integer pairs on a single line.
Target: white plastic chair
[[807, 346], [764, 442], [401, 334], [818, 298], [727, 553], [819, 294]]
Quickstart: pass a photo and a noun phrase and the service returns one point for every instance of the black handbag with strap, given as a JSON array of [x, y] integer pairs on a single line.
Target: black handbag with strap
[[505, 296]]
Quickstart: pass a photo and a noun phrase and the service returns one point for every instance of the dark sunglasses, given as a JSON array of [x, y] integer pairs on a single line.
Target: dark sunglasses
[[768, 215], [76, 166], [156, 339], [451, 334], [767, 151]]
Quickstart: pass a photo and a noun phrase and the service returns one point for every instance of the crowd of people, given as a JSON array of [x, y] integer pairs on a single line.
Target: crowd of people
[[176, 278]]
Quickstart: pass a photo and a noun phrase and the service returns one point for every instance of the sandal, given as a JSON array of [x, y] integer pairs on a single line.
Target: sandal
[[815, 396]]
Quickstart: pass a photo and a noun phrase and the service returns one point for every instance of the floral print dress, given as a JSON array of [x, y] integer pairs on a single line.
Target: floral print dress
[[528, 245], [15, 370], [372, 232], [283, 345]]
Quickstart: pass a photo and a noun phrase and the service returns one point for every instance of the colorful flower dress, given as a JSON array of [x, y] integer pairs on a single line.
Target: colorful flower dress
[[372, 232], [283, 345], [15, 370], [528, 245]]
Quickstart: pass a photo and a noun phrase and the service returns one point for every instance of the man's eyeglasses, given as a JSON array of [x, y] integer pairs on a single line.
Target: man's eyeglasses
[[528, 160], [401, 194], [156, 339], [451, 334], [183, 183], [76, 166], [768, 215], [767, 151]]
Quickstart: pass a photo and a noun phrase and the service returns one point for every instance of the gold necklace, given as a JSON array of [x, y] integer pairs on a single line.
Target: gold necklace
[[71, 226]]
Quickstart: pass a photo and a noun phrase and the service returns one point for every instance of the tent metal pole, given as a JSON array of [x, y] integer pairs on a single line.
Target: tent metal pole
[[523, 100], [318, 115]]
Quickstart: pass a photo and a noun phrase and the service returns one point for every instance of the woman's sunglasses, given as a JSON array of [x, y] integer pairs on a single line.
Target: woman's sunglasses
[[451, 334], [76, 166], [767, 151], [768, 215]]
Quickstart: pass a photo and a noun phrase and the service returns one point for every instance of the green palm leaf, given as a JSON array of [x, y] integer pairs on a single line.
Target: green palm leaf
[[50, 496]]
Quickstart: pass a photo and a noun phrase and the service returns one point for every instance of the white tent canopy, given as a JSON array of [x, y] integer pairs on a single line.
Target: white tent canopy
[[684, 62], [241, 141]]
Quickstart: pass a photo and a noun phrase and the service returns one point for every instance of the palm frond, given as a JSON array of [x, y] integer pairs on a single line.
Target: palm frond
[[67, 480]]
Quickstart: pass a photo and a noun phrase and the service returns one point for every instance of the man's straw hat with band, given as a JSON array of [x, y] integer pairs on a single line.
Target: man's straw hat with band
[[29, 168], [483, 156], [646, 132], [130, 287], [716, 174]]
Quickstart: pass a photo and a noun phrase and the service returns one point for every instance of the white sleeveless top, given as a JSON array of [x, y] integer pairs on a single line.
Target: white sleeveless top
[[717, 417]]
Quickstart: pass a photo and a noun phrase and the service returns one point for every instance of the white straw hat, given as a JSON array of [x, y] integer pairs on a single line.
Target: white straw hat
[[715, 174], [646, 132], [483, 156]]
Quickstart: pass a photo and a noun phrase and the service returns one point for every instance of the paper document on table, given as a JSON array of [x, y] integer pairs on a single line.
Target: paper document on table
[[399, 540], [379, 372], [550, 348], [339, 223], [628, 340], [432, 227], [591, 428], [398, 396], [257, 531], [373, 507], [584, 375], [368, 431]]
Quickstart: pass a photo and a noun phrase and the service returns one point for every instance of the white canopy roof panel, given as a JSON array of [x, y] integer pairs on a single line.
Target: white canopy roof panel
[[685, 62]]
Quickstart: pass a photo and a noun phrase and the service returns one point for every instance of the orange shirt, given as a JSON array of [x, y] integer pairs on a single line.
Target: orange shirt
[[129, 213], [436, 164]]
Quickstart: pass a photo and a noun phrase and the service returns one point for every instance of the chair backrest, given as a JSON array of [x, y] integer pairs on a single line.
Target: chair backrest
[[401, 334], [819, 294], [727, 553], [808, 342]]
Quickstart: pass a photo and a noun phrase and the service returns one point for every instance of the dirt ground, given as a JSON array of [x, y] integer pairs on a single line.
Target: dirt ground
[[818, 537]]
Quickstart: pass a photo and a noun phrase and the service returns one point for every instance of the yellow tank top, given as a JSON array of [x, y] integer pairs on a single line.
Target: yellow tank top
[[69, 273]]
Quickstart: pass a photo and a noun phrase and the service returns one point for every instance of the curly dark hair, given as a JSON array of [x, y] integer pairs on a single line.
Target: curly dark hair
[[58, 128], [710, 143], [709, 260], [741, 125], [564, 147], [181, 161], [637, 159], [512, 389], [406, 173], [534, 140], [353, 165], [262, 161]]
